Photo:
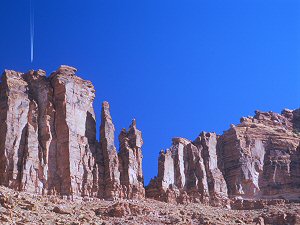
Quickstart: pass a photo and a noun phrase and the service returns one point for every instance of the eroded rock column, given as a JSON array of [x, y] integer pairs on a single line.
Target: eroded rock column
[[217, 187], [73, 99], [130, 157], [109, 176], [181, 174], [15, 107]]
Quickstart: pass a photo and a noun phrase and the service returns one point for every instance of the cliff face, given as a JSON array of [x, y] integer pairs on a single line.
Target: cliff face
[[75, 132], [130, 157], [189, 172], [48, 145], [121, 175], [109, 177], [48, 138], [47, 132], [260, 155], [18, 118], [259, 158]]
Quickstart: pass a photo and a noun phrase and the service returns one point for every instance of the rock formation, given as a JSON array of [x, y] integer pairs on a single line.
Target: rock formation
[[48, 139], [109, 177], [18, 119], [121, 174], [260, 156], [257, 159], [215, 179], [48, 145], [188, 172], [75, 131], [130, 157], [48, 132]]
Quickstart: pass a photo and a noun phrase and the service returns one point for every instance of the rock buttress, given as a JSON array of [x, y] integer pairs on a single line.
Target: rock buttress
[[258, 155], [109, 176], [15, 107], [130, 158], [257, 159], [48, 139], [181, 174], [217, 187], [41, 94], [23, 114], [76, 132]]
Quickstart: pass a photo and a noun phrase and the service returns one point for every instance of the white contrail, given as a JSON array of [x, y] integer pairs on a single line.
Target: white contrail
[[31, 28]]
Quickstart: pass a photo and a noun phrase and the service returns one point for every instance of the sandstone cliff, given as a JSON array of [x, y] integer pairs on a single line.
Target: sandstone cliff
[[109, 177], [48, 139], [260, 156], [47, 132], [130, 157], [121, 174], [48, 145], [257, 159], [188, 172]]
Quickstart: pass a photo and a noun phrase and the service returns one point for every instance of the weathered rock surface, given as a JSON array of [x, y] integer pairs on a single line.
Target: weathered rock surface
[[75, 131], [109, 177], [215, 179], [121, 175], [130, 157], [256, 159], [188, 172], [48, 145], [48, 132], [260, 156], [20, 155], [48, 139]]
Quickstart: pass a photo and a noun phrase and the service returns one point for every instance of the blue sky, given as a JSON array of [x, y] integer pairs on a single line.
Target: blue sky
[[178, 67]]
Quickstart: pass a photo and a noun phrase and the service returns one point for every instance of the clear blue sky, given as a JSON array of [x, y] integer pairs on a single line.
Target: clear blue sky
[[178, 67]]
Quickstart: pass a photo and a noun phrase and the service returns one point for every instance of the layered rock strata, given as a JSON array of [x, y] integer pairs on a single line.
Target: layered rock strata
[[261, 156], [256, 159]]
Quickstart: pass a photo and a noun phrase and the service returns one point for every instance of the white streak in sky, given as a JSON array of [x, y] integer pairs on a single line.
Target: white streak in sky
[[31, 29]]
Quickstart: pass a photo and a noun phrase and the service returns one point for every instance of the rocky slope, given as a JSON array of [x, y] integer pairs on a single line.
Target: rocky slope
[[24, 208], [48, 147]]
